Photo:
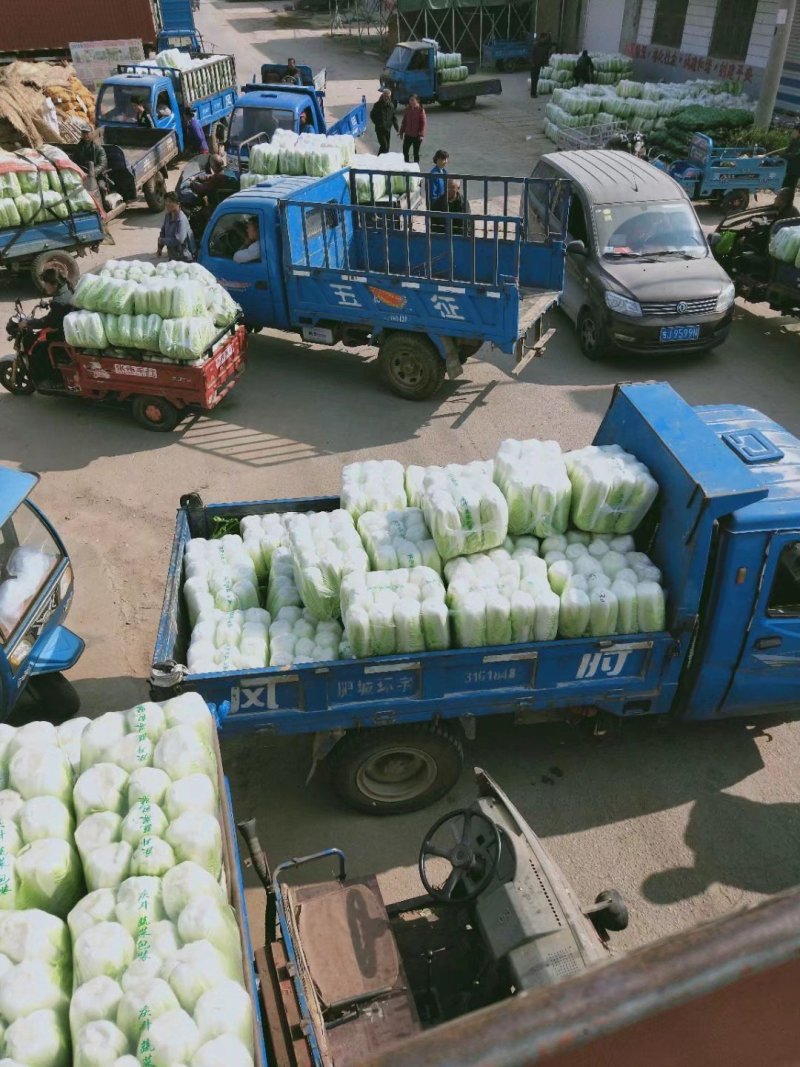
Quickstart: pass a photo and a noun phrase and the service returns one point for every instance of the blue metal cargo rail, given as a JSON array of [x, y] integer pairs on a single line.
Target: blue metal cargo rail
[[725, 532]]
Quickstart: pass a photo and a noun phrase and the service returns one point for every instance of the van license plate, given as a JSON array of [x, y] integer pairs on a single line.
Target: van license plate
[[679, 333]]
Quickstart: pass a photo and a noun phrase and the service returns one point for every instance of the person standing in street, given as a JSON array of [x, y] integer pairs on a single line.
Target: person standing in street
[[791, 153], [384, 119], [196, 143], [175, 235], [538, 56], [412, 128], [437, 188]]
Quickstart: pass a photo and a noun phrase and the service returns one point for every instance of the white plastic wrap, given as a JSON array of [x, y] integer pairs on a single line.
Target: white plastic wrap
[[611, 490], [374, 485], [397, 611], [325, 548], [398, 539], [533, 478], [465, 511]]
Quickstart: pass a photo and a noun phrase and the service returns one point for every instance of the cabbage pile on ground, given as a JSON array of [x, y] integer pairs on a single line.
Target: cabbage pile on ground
[[175, 309], [40, 186], [610, 68]]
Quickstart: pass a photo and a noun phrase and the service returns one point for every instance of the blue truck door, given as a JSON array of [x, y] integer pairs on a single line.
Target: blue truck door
[[248, 283], [419, 76], [767, 676]]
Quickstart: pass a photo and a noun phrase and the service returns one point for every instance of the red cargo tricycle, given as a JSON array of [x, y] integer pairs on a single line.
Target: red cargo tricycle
[[160, 393]]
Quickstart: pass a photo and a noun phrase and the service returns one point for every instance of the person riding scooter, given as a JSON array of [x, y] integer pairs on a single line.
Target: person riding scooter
[[59, 290]]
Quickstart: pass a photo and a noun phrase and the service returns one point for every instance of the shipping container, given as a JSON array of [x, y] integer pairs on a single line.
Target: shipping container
[[43, 27]]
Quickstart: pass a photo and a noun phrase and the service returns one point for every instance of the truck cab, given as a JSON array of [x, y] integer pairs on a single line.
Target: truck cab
[[35, 595], [185, 40], [177, 28], [411, 71]]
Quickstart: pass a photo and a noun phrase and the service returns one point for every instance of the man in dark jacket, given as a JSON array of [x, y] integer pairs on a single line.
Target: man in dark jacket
[[90, 153], [584, 69], [538, 56], [384, 119], [792, 156]]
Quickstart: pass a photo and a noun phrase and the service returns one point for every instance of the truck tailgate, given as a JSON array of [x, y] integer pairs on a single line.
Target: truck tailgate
[[534, 305], [471, 86]]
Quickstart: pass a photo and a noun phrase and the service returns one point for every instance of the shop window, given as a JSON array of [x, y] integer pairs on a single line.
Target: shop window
[[733, 27], [669, 21]]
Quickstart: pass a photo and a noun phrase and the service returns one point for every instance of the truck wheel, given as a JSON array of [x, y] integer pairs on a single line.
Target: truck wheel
[[509, 66], [445, 103], [56, 697], [735, 200], [63, 262], [388, 770], [591, 336], [614, 916], [466, 103], [410, 365], [155, 192], [155, 413], [16, 380]]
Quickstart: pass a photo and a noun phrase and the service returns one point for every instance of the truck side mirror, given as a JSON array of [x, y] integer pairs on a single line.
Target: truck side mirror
[[576, 248], [714, 239]]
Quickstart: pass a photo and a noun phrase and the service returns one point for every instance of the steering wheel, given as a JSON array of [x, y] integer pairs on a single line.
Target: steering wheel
[[470, 843]]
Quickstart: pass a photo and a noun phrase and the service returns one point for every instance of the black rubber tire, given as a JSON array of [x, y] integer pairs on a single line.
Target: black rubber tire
[[155, 413], [736, 200], [62, 261], [410, 365], [509, 66], [56, 697], [22, 385], [155, 192], [432, 752], [614, 916], [466, 103], [591, 336], [445, 103]]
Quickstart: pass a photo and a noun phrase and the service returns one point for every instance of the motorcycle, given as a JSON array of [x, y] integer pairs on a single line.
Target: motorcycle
[[199, 209], [16, 375]]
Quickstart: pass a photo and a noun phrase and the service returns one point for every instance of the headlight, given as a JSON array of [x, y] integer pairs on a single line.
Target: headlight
[[623, 305], [726, 298]]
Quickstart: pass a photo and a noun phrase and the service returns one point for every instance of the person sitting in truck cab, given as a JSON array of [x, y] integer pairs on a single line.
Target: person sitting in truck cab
[[292, 73], [250, 252], [306, 125], [163, 108], [141, 114]]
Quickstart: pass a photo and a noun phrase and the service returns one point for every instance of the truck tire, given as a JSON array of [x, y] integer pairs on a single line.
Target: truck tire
[[446, 103], [155, 413], [155, 191], [388, 770], [61, 261], [410, 365], [466, 103], [56, 697]]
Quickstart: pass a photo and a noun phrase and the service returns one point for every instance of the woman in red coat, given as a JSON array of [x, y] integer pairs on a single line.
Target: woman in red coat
[[412, 128]]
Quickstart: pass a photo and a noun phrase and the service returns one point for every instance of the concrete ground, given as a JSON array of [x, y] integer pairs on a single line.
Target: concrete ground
[[687, 823]]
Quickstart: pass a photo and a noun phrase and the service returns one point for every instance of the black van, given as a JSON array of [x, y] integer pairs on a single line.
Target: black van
[[639, 274]]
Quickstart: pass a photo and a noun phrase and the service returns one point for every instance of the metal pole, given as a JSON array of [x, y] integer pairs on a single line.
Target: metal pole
[[777, 54]]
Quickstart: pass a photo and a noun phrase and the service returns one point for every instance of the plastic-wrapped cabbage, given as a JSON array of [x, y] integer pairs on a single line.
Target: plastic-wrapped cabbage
[[99, 1044], [50, 876], [296, 636], [225, 1009], [81, 201], [415, 477], [39, 1040], [374, 485], [85, 329], [9, 185], [34, 935], [95, 1000], [185, 338], [398, 539], [186, 882], [106, 948], [370, 186], [282, 590], [611, 490], [224, 1051], [533, 478], [261, 535], [196, 837], [31, 986], [325, 548], [219, 574], [465, 512], [39, 772], [398, 611], [9, 214], [264, 159], [52, 206], [100, 789], [171, 1040], [221, 306]]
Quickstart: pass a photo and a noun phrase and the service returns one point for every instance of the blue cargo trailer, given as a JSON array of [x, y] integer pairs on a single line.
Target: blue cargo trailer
[[725, 532]]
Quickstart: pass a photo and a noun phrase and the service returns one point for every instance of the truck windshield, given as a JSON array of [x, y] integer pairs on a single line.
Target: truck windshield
[[115, 103], [400, 58], [28, 556], [633, 230], [246, 122]]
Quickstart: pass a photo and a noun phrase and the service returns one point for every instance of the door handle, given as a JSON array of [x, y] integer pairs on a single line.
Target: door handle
[[768, 642]]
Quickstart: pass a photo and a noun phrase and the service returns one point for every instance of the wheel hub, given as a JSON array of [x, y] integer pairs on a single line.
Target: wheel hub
[[407, 369], [397, 775], [153, 413]]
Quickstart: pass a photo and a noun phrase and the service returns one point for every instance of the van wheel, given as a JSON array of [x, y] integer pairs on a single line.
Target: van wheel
[[410, 365], [591, 335], [155, 413], [388, 770]]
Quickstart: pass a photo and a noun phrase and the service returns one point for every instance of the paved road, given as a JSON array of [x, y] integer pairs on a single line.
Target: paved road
[[688, 824]]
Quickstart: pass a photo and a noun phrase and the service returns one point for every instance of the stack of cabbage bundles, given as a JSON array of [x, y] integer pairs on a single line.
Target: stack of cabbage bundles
[[174, 309], [39, 186], [148, 963], [784, 245], [313, 154], [378, 182]]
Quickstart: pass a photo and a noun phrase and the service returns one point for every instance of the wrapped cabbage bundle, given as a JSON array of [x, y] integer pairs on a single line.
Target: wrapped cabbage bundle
[[322, 161], [218, 574], [282, 591], [64, 180], [9, 214], [192, 271], [185, 339], [229, 640], [52, 205], [28, 205], [374, 485], [533, 478], [370, 187], [221, 305], [398, 539], [415, 476], [9, 184], [263, 160], [80, 201], [247, 181], [297, 637], [31, 181], [611, 490], [465, 511], [119, 330], [85, 329], [261, 536], [398, 611], [325, 548]]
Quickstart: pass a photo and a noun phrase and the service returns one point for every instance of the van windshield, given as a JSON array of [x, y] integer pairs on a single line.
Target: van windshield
[[247, 122], [633, 230]]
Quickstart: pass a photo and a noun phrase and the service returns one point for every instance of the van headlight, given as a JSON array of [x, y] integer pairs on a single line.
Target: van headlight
[[726, 298], [622, 305]]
